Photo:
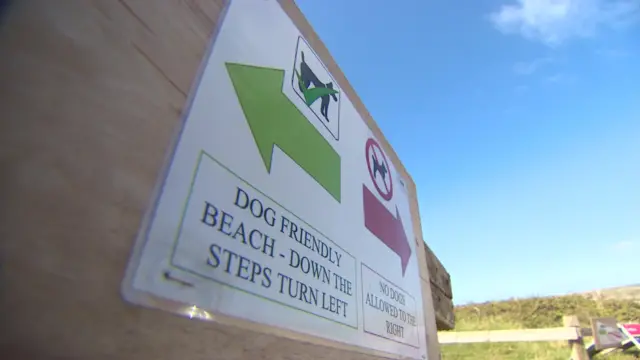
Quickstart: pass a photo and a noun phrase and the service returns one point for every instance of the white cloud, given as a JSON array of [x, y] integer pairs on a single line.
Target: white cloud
[[612, 53], [529, 67], [555, 21], [561, 78], [624, 246]]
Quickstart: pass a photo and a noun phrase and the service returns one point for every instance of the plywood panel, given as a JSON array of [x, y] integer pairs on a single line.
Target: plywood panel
[[438, 275], [445, 317], [92, 94], [501, 336]]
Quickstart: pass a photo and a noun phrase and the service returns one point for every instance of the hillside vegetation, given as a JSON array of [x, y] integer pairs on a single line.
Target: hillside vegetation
[[537, 313]]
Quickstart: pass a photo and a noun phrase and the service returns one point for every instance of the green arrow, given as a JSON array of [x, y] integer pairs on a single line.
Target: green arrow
[[275, 120], [313, 94]]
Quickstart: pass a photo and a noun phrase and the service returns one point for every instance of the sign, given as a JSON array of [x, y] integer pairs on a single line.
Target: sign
[[379, 169], [632, 329], [606, 333], [390, 312], [278, 205], [316, 87]]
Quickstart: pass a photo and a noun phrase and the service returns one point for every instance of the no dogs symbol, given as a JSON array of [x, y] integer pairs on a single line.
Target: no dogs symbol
[[379, 169]]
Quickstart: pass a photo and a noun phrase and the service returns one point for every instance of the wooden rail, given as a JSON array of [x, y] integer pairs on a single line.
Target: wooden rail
[[571, 333], [492, 336], [524, 335]]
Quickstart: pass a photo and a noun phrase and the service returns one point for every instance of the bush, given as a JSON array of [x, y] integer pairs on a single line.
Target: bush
[[532, 313]]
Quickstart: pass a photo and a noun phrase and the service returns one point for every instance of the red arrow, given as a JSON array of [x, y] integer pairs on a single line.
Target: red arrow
[[385, 226]]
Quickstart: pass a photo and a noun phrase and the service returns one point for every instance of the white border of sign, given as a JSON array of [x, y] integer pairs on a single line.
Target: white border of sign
[[147, 299]]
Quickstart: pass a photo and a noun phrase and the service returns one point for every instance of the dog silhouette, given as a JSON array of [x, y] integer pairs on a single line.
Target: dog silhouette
[[309, 78]]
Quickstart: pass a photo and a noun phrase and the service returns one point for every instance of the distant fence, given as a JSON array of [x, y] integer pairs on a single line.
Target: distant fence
[[571, 332]]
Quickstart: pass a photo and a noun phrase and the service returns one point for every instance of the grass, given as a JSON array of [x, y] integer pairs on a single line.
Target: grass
[[536, 313]]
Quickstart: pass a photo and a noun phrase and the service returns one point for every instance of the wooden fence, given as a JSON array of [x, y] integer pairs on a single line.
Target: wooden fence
[[570, 332]]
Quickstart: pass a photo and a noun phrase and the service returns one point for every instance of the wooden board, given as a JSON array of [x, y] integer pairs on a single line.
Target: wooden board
[[439, 280], [498, 336], [92, 96], [445, 317], [438, 275]]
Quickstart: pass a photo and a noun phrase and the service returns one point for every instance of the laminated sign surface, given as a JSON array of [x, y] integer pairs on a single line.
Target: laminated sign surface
[[279, 206]]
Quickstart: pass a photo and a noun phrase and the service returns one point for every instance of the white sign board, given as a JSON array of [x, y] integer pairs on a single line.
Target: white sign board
[[279, 206], [606, 333]]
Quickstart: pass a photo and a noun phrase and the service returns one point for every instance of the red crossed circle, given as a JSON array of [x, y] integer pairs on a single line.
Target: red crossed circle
[[373, 152]]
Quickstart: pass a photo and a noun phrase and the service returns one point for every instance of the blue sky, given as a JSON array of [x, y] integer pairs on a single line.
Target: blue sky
[[519, 121]]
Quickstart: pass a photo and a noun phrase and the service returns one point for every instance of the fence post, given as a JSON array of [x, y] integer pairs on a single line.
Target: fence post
[[578, 351]]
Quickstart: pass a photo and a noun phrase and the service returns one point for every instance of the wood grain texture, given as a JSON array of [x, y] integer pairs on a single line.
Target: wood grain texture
[[438, 275], [445, 318], [578, 350], [92, 95], [437, 278], [498, 336]]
